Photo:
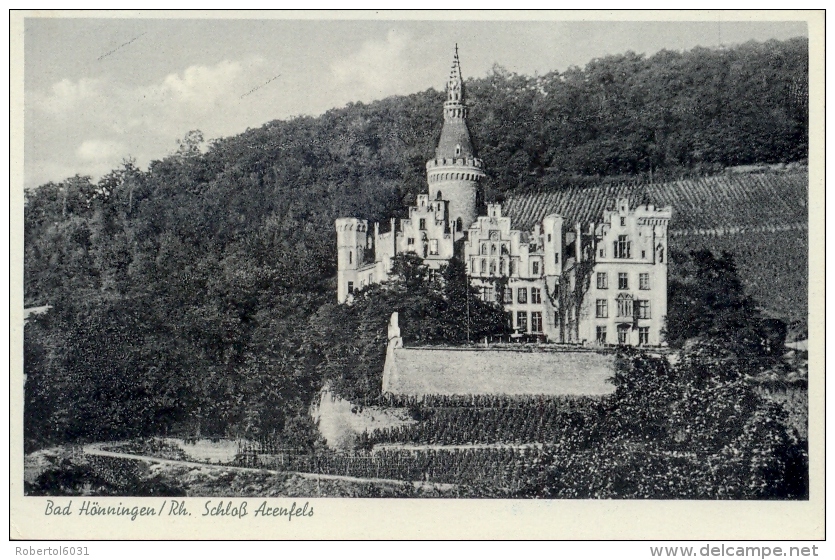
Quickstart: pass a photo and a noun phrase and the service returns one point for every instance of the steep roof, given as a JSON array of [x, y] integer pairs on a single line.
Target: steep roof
[[453, 134], [449, 371]]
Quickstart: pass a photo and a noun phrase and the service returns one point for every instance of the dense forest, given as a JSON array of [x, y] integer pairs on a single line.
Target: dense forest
[[195, 296]]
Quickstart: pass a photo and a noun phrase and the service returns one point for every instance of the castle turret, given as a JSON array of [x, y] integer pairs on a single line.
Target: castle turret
[[351, 240], [455, 172]]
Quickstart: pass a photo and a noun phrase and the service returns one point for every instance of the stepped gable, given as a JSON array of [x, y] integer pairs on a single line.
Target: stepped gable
[[749, 200]]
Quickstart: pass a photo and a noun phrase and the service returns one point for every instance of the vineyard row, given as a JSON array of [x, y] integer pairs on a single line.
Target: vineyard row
[[708, 203]]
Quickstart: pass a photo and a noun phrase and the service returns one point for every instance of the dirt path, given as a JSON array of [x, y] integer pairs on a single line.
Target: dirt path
[[95, 449]]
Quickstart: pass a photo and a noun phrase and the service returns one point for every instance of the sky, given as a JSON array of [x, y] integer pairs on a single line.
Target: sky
[[97, 91]]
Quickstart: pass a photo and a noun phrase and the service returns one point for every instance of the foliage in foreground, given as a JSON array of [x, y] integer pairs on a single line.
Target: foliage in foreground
[[695, 430], [445, 308]]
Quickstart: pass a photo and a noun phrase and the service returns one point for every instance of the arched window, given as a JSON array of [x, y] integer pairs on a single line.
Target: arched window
[[459, 225], [438, 196]]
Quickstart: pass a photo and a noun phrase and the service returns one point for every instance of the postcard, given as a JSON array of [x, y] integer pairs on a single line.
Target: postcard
[[417, 275]]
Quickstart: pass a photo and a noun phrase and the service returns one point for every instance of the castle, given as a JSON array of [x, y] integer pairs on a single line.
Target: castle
[[598, 283]]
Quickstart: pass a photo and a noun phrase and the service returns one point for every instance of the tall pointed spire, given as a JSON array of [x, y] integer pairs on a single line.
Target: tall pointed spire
[[455, 85], [455, 171], [455, 138]]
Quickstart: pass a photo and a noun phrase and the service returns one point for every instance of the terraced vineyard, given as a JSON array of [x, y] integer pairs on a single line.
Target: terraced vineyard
[[761, 218], [502, 420], [772, 199]]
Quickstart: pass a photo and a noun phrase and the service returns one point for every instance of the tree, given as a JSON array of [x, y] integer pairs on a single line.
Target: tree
[[707, 299]]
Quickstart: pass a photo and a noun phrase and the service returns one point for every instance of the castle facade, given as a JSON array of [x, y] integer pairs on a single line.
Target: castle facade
[[597, 283]]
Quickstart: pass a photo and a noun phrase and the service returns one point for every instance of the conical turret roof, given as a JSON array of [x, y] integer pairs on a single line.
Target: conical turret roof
[[455, 139]]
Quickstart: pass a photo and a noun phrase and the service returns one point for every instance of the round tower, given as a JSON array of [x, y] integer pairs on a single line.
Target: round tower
[[350, 244], [455, 172]]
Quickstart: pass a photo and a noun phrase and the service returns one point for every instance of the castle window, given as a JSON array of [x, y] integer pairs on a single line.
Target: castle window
[[458, 150], [350, 257], [458, 224], [535, 268], [601, 309], [602, 281], [643, 309], [549, 238], [508, 295], [601, 334], [602, 253], [350, 287], [411, 241], [483, 249], [433, 246], [522, 295], [512, 268], [622, 221], [624, 306], [623, 248], [536, 295], [623, 334], [438, 196], [643, 336], [536, 321], [493, 249], [423, 223], [643, 254], [492, 267], [623, 281], [487, 294], [522, 321], [483, 266], [643, 281], [557, 259]]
